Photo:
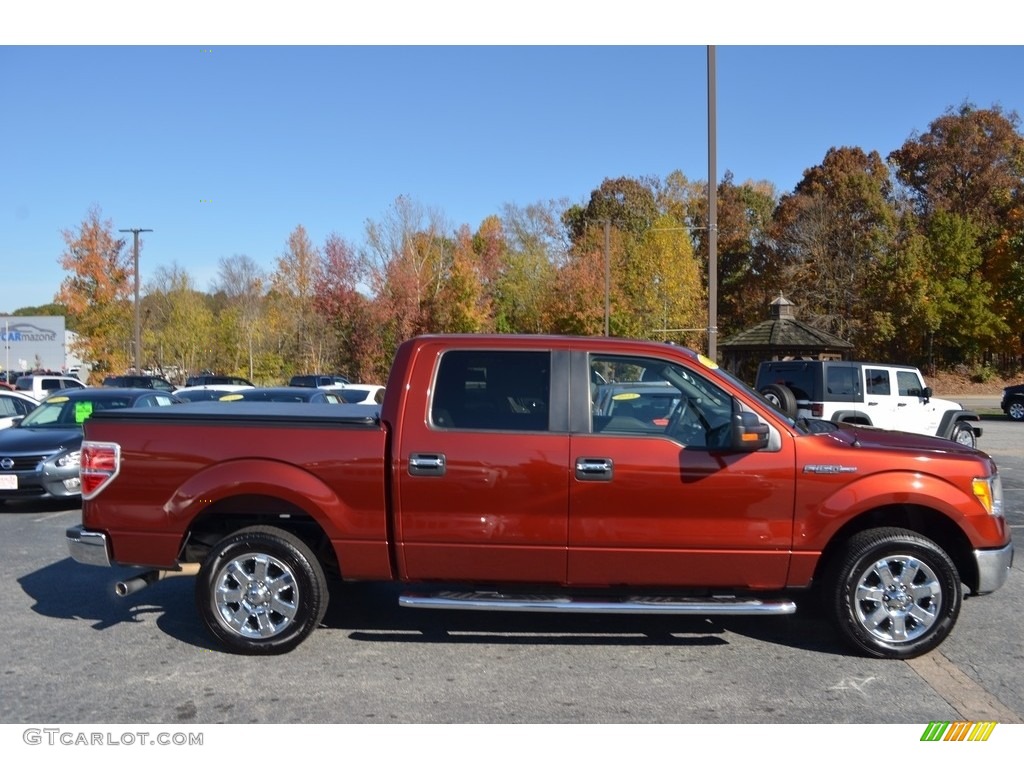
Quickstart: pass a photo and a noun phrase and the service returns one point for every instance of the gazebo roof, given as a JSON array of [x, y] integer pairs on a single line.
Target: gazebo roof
[[785, 333]]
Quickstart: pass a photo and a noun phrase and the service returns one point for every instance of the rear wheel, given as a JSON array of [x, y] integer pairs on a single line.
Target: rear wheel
[[261, 590], [893, 593], [1016, 410]]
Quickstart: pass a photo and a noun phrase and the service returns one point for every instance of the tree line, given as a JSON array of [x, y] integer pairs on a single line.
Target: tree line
[[917, 257]]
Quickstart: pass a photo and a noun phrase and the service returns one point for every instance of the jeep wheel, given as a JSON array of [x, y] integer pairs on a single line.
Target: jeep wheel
[[963, 434], [893, 593], [1016, 410], [781, 397], [261, 591]]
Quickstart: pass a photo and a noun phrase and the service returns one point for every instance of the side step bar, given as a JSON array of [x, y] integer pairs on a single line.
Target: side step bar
[[495, 601]]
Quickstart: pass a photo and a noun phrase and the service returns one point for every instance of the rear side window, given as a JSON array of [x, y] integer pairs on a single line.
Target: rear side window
[[877, 381], [492, 390], [842, 384]]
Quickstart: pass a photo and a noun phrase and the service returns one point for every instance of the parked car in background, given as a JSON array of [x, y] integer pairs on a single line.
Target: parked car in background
[[282, 395], [39, 457], [14, 405], [359, 394], [42, 385], [318, 380], [134, 381], [208, 391], [1013, 402], [207, 380]]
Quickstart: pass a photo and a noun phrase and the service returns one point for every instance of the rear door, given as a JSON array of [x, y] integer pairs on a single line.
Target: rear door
[[482, 472]]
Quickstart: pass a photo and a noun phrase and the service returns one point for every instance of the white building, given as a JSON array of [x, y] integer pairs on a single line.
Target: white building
[[29, 343]]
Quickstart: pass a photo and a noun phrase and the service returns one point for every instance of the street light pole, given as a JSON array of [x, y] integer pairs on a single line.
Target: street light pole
[[138, 321], [712, 212]]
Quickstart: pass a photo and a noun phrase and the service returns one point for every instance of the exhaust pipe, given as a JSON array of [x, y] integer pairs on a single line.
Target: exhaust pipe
[[143, 580]]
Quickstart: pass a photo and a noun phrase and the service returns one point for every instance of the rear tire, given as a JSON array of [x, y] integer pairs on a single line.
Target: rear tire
[[1015, 410], [261, 590], [893, 594]]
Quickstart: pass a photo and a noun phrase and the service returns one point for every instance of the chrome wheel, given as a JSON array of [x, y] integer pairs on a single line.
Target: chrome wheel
[[261, 590], [894, 593], [256, 595], [898, 599]]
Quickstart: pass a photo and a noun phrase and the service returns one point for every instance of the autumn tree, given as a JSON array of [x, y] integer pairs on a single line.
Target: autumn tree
[[828, 234], [535, 242], [179, 325], [301, 341], [970, 163], [241, 281], [97, 293]]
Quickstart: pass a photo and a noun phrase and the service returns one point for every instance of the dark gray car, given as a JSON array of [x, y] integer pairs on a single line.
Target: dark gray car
[[39, 457]]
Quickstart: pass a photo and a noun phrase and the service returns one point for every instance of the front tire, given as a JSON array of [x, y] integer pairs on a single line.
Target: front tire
[[893, 593], [964, 435], [261, 590]]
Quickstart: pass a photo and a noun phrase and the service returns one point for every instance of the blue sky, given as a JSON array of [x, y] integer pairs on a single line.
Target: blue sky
[[225, 149]]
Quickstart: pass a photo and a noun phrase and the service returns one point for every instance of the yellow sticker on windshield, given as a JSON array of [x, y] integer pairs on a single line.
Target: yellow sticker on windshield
[[59, 399], [83, 410], [230, 397], [626, 396], [707, 361]]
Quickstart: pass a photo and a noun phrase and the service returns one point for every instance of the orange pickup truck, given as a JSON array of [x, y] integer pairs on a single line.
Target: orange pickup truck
[[541, 473]]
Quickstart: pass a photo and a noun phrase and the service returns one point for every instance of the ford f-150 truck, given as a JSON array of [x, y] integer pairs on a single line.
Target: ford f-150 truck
[[507, 473]]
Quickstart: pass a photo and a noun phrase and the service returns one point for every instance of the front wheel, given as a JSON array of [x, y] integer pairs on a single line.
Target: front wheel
[[261, 590], [893, 593], [964, 435]]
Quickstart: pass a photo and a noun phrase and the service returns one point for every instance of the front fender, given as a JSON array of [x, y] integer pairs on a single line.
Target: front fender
[[819, 520]]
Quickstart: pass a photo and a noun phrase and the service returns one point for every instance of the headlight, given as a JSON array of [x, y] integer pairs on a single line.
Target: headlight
[[72, 459], [989, 491]]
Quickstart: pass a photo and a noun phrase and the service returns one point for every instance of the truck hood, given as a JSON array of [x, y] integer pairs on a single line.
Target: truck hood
[[27, 440], [908, 442]]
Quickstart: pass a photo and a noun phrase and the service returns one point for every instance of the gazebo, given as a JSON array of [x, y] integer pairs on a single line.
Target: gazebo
[[782, 337]]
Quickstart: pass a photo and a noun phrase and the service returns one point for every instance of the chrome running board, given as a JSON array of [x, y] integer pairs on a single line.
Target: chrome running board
[[496, 601]]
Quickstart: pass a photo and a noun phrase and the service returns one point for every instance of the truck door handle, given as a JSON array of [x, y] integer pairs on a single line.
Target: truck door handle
[[426, 464], [901, 405], [593, 469]]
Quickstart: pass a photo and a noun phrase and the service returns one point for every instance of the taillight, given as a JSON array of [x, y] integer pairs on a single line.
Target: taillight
[[100, 464], [817, 410]]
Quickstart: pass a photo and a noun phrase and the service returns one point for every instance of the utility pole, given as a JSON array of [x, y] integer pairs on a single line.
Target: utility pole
[[712, 214], [607, 275], [138, 321]]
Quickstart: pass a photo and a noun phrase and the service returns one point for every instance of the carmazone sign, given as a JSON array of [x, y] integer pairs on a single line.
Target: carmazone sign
[[32, 342]]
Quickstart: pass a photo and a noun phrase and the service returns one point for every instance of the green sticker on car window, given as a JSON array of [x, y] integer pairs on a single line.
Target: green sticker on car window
[[83, 410]]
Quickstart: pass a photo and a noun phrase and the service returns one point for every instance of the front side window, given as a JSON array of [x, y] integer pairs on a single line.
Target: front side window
[[484, 389], [643, 396]]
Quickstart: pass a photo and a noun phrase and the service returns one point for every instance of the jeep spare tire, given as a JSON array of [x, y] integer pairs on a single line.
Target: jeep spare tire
[[781, 397]]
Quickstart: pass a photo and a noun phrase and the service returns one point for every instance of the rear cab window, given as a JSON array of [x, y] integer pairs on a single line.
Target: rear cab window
[[493, 390]]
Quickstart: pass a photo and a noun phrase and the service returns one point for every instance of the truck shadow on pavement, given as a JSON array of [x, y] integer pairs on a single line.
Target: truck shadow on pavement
[[370, 613]]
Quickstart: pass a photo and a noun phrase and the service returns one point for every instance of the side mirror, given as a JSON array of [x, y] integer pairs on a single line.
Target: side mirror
[[749, 433], [926, 393]]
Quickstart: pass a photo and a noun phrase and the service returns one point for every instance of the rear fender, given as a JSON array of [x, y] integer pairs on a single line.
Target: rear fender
[[258, 477]]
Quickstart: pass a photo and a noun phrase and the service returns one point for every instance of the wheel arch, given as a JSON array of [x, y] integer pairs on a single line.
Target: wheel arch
[[919, 519]]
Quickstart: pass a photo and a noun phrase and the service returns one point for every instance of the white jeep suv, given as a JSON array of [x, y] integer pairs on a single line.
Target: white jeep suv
[[875, 394]]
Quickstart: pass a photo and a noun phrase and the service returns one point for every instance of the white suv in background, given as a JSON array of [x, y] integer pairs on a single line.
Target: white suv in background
[[41, 385], [874, 394]]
